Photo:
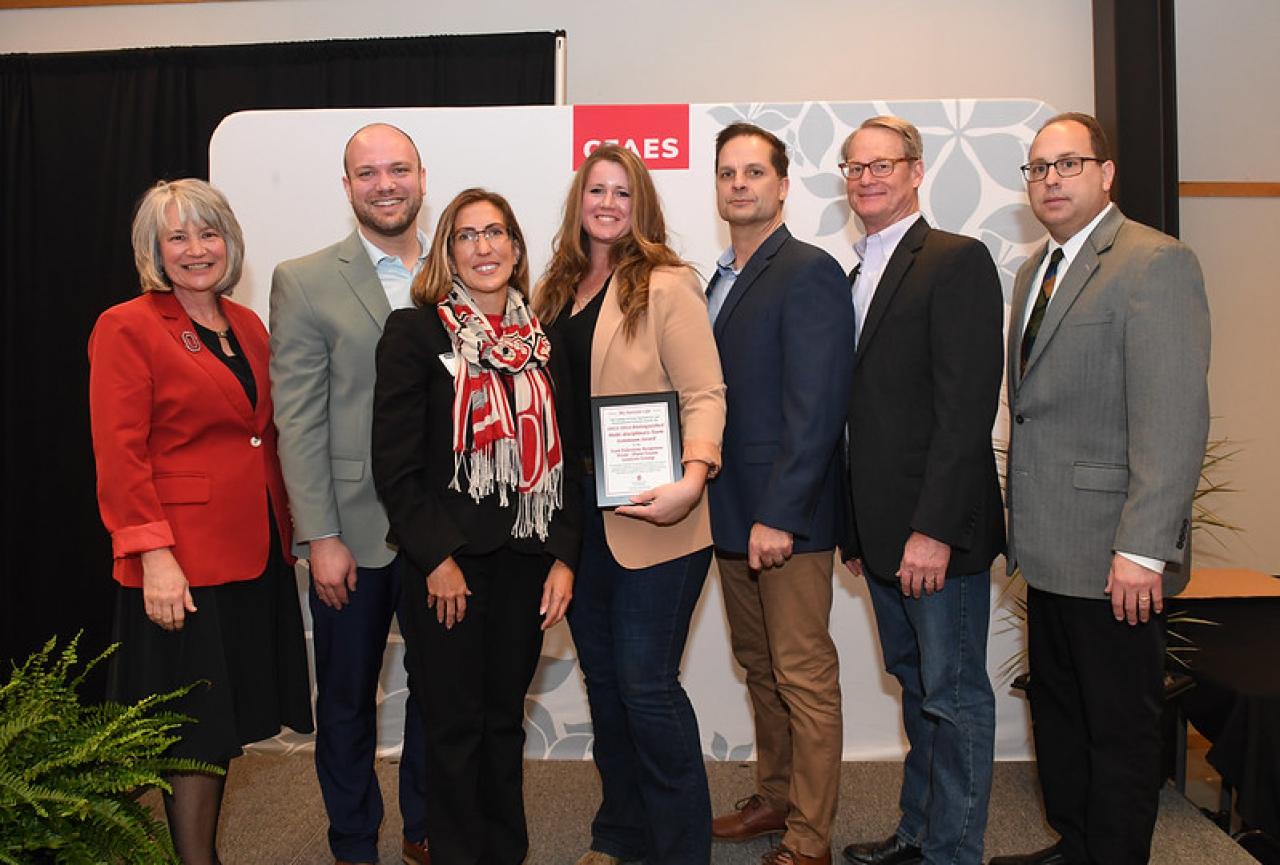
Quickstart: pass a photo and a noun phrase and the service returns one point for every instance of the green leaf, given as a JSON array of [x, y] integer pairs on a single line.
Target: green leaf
[[69, 772]]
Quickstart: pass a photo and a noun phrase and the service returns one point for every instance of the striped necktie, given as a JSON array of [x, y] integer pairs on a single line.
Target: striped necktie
[[1037, 311]]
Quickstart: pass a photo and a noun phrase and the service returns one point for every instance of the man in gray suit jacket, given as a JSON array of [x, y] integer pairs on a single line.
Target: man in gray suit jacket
[[1108, 358], [327, 312]]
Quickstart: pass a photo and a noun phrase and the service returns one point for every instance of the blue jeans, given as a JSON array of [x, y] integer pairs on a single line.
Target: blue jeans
[[630, 627], [349, 645], [936, 647]]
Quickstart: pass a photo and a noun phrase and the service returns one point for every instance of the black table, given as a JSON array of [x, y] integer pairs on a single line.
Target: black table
[[1236, 701]]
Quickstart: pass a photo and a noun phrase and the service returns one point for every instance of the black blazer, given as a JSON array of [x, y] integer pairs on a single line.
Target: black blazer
[[413, 456], [785, 336], [926, 386]]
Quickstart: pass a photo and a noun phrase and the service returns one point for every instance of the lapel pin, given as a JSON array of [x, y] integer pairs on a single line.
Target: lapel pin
[[191, 341]]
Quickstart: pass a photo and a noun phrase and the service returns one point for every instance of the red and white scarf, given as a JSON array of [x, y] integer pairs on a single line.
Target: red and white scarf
[[520, 451]]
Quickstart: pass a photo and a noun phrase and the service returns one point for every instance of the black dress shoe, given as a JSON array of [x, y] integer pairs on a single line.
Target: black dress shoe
[[891, 851], [1048, 856]]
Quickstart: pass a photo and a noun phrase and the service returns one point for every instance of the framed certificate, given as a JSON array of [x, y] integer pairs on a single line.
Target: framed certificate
[[636, 438]]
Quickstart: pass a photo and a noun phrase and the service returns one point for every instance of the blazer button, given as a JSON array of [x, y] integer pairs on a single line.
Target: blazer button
[[255, 441], [1017, 419]]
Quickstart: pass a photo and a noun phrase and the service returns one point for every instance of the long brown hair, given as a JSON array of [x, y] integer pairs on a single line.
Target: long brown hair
[[435, 280], [633, 256]]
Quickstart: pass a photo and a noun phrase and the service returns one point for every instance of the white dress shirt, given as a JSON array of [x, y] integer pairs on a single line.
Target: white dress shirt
[[874, 252]]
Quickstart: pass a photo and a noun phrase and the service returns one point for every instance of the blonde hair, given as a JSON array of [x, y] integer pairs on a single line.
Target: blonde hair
[[633, 256], [195, 202], [912, 143], [434, 281]]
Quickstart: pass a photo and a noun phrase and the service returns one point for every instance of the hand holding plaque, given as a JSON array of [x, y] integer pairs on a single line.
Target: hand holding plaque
[[636, 440]]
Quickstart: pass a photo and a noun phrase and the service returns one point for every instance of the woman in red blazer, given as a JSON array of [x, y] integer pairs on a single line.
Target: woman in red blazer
[[190, 488]]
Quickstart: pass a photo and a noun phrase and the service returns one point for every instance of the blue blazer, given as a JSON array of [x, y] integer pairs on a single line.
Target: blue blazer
[[785, 335]]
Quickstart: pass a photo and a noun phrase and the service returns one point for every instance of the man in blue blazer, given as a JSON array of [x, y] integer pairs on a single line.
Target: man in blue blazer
[[783, 323], [926, 514]]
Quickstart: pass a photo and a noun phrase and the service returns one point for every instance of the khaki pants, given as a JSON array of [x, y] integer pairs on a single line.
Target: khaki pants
[[779, 629]]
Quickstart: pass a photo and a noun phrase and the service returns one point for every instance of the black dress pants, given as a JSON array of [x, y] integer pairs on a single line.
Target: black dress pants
[[1096, 692], [473, 683]]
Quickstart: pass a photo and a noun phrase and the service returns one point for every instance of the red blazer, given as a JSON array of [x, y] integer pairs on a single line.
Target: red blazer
[[183, 460]]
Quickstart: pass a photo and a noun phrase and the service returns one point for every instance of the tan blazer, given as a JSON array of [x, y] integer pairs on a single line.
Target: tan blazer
[[672, 349]]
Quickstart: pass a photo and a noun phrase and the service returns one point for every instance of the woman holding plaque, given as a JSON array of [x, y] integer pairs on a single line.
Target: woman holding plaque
[[467, 459], [630, 318]]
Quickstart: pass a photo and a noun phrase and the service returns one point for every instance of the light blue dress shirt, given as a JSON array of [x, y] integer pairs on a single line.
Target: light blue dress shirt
[[396, 279], [727, 276]]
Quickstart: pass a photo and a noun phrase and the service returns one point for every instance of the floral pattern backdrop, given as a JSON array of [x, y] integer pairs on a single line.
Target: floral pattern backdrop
[[972, 185]]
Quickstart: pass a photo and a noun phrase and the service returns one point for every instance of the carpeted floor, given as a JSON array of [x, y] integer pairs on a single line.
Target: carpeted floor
[[273, 814]]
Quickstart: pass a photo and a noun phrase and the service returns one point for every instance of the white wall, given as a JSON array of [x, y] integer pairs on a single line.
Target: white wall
[[1228, 74], [665, 50], [1229, 129]]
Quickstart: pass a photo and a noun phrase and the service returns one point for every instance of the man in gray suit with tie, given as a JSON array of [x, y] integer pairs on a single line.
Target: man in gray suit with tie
[[327, 312], [1107, 363]]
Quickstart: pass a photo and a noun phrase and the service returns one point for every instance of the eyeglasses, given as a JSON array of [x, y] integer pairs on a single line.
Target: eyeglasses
[[878, 167], [495, 234], [1067, 166]]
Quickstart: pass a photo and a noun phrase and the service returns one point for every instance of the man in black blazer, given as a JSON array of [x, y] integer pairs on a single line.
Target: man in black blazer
[[926, 513], [783, 324]]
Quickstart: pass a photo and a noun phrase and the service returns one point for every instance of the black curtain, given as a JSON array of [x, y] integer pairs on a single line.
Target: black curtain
[[84, 135]]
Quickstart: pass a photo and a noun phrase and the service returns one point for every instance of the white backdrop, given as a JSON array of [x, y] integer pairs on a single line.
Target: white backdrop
[[282, 170]]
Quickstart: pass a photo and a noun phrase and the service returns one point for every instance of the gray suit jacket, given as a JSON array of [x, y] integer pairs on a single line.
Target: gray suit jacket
[[1108, 426], [327, 313]]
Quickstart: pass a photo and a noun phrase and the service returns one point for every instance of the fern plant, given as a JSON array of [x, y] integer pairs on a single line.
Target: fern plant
[[67, 771]]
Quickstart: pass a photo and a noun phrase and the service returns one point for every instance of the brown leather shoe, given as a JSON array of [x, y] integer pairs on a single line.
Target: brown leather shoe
[[416, 853], [751, 818], [595, 857], [784, 855]]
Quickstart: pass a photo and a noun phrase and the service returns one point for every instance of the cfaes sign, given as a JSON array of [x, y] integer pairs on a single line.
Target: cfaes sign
[[658, 134]]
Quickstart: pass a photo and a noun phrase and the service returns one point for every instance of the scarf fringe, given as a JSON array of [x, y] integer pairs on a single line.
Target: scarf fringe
[[534, 508]]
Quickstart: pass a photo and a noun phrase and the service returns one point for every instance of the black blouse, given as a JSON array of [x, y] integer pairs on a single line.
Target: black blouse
[[576, 332], [237, 363]]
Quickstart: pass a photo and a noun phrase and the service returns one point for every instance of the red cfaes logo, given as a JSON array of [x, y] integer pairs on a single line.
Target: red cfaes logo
[[658, 134]]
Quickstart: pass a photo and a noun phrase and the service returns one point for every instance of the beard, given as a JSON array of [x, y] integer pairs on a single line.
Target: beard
[[389, 224]]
